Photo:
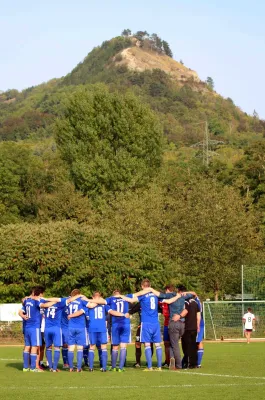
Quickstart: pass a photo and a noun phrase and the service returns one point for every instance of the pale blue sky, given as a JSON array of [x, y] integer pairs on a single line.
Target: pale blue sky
[[224, 39]]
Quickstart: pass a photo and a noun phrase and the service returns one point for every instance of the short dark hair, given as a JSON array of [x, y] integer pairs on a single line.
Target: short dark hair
[[41, 288], [37, 291], [169, 287], [249, 309], [96, 292], [116, 290], [146, 283], [181, 288]]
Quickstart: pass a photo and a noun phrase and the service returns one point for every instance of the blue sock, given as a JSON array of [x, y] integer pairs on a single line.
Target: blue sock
[[122, 357], [100, 357], [104, 358], [65, 355], [79, 359], [49, 357], [159, 356], [71, 359], [33, 361], [200, 353], [56, 358], [148, 356], [25, 359], [91, 356], [85, 355], [114, 356]]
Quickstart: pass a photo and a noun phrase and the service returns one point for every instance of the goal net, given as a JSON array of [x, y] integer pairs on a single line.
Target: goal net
[[223, 319]]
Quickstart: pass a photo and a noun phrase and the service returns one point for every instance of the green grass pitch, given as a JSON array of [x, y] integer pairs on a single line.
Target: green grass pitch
[[230, 371]]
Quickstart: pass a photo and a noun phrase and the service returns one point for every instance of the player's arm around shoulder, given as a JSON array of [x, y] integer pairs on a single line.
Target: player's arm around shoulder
[[132, 299]]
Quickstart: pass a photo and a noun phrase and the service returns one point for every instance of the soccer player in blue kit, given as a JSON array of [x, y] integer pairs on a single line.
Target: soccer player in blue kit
[[32, 336], [120, 329], [53, 331], [97, 327], [150, 327]]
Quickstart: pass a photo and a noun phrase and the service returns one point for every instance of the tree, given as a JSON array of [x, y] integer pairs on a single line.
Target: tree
[[126, 32], [111, 142], [211, 233], [167, 49], [210, 83]]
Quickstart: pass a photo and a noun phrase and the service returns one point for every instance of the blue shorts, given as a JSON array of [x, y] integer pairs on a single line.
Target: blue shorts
[[65, 335], [120, 334], [166, 334], [200, 334], [53, 336], [150, 333], [98, 338], [32, 337], [77, 336]]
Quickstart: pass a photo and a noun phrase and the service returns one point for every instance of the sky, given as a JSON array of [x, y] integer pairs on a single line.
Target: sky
[[224, 39]]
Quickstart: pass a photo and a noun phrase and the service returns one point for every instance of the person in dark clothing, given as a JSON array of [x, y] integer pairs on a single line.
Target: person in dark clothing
[[192, 327]]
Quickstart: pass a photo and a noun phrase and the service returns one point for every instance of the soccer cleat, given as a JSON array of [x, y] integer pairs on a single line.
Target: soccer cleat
[[91, 370], [172, 363], [158, 369], [121, 370], [36, 370], [56, 370], [71, 370], [110, 369], [148, 370], [165, 365], [79, 370], [66, 366], [43, 366], [26, 369], [199, 366], [103, 370], [137, 365]]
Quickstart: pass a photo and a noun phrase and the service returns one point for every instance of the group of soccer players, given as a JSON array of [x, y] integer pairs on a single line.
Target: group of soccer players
[[78, 322]]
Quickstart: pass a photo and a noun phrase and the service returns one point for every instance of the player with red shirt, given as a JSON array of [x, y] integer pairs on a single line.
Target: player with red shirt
[[165, 311]]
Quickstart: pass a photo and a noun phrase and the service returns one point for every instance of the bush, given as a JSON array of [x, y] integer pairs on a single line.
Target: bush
[[65, 255]]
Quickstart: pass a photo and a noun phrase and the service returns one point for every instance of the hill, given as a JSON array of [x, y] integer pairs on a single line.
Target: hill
[[170, 88]]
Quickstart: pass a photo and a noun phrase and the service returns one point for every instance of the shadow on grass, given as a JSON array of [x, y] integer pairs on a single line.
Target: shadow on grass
[[15, 365]]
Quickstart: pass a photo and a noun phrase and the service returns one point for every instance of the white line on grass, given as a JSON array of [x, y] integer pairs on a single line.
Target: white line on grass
[[221, 375], [131, 387]]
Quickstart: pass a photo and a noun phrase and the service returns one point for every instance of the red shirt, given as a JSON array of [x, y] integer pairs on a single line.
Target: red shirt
[[165, 312]]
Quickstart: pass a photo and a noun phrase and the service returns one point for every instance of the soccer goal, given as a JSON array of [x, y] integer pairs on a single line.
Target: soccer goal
[[223, 319]]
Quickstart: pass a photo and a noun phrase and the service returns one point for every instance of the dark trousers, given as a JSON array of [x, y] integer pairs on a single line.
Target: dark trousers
[[189, 347]]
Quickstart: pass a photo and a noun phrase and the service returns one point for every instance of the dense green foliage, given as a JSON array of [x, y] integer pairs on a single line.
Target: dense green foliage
[[64, 255], [110, 142], [87, 148]]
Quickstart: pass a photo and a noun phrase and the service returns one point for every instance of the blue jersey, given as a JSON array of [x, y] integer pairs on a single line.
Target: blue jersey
[[53, 315], [149, 308], [64, 319], [32, 308], [77, 322], [97, 318], [200, 306], [121, 306], [87, 318]]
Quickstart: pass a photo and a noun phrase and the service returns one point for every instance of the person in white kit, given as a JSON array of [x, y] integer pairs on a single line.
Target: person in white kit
[[249, 321]]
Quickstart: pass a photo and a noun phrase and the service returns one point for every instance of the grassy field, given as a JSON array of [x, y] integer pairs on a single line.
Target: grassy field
[[230, 371]]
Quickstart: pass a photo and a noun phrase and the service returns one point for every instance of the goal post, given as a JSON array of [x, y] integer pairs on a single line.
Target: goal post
[[223, 319]]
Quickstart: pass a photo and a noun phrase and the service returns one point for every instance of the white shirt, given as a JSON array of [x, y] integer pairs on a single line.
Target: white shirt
[[248, 317]]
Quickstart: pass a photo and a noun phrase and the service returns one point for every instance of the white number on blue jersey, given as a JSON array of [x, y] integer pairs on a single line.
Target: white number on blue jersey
[[120, 306], [152, 303], [28, 311], [98, 313], [73, 308], [51, 312]]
